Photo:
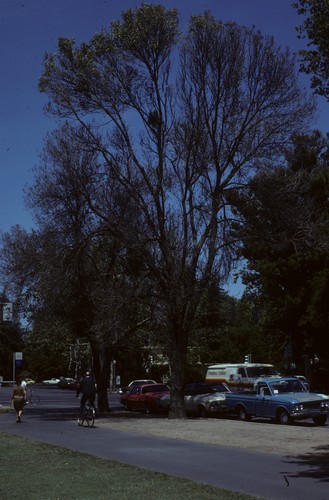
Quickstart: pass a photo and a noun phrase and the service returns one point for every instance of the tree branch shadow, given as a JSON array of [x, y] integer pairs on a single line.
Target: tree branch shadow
[[317, 464]]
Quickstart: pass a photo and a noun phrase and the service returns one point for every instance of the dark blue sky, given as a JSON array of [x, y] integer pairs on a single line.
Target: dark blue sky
[[29, 28]]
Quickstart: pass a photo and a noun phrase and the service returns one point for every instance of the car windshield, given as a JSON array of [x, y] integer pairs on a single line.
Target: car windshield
[[286, 386], [219, 388], [155, 388], [140, 382]]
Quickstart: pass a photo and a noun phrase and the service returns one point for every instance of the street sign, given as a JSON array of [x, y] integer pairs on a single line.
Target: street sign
[[17, 362]]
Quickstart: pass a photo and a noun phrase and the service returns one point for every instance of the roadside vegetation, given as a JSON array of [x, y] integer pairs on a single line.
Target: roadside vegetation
[[33, 470]]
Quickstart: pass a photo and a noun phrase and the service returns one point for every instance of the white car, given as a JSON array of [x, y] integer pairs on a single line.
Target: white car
[[51, 381], [201, 398]]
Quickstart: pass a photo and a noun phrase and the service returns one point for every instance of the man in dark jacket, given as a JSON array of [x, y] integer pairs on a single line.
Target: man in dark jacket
[[87, 387]]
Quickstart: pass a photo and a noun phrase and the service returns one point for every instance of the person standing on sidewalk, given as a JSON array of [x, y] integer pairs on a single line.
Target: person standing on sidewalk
[[18, 398]]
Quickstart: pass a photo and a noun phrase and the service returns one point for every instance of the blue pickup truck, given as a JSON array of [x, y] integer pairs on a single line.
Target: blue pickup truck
[[283, 399]]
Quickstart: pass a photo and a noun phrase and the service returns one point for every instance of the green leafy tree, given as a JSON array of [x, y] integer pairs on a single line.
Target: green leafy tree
[[315, 60], [47, 350], [177, 121], [230, 328], [10, 340], [285, 235]]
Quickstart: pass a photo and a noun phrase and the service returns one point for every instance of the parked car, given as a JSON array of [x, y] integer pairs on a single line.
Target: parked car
[[144, 397], [134, 383], [51, 381], [202, 399], [284, 399], [303, 380], [67, 383]]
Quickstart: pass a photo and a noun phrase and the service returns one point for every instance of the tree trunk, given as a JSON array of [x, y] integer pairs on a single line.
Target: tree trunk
[[178, 357], [101, 368], [103, 403]]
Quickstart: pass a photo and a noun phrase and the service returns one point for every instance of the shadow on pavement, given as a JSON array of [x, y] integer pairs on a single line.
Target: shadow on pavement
[[317, 463], [71, 413], [55, 414]]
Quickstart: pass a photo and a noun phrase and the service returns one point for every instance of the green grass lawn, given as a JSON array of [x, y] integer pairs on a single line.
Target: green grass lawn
[[31, 470]]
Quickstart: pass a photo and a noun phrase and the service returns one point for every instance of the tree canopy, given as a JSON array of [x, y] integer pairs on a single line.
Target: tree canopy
[[315, 59], [285, 234], [170, 124]]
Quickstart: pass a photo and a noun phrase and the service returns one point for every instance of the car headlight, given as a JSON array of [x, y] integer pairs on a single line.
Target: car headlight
[[298, 407], [325, 404]]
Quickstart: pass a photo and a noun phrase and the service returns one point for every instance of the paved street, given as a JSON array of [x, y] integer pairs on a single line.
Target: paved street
[[269, 476]]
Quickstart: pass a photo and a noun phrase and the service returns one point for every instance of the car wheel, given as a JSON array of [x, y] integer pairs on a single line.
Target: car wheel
[[242, 414], [320, 420], [202, 412], [284, 417]]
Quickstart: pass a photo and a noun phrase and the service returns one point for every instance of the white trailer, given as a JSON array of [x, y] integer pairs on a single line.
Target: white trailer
[[239, 375]]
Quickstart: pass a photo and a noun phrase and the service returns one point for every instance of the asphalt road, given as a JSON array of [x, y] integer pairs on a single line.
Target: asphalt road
[[265, 475]]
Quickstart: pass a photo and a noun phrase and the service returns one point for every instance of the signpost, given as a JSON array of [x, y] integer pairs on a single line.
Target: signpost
[[17, 361]]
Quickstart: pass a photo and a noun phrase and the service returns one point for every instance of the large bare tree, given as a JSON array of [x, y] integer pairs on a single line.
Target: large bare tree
[[178, 121], [70, 273]]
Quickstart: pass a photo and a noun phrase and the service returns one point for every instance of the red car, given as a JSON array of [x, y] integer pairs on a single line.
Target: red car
[[144, 397]]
